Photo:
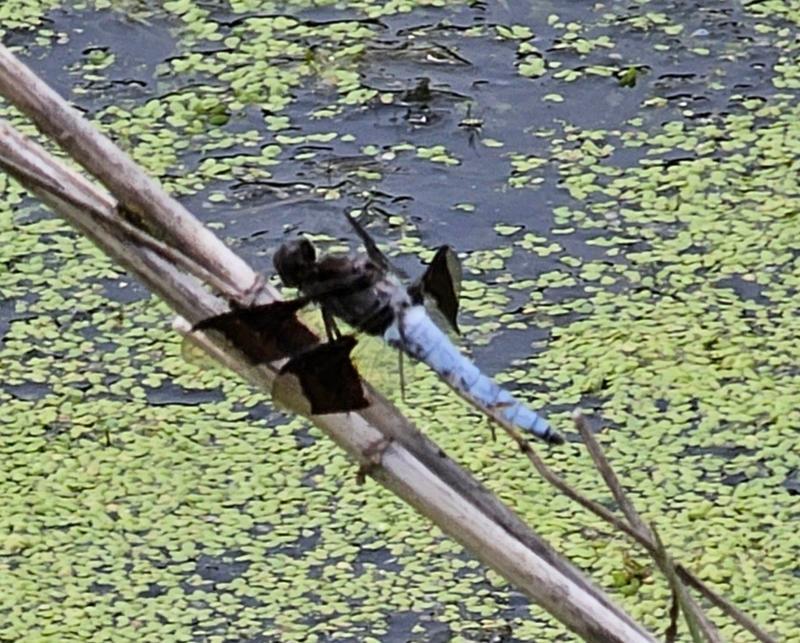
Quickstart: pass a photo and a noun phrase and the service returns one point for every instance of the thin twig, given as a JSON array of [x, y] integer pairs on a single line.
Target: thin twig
[[674, 612], [700, 627], [724, 604], [645, 536], [609, 476], [596, 508], [685, 574]]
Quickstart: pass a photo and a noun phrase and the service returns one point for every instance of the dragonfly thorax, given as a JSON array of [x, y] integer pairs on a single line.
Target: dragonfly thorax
[[354, 289], [374, 306]]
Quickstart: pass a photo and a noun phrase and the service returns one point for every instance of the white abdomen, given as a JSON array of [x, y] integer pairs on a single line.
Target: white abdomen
[[418, 335]]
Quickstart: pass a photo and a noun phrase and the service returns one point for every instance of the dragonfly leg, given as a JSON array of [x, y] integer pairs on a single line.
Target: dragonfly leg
[[402, 375], [373, 453], [331, 329], [403, 342]]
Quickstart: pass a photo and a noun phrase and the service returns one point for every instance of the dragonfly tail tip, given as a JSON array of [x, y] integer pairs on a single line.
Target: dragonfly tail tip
[[554, 437]]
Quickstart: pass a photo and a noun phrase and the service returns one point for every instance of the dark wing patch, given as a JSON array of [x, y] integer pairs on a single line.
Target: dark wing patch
[[269, 332], [442, 282], [265, 332], [328, 378]]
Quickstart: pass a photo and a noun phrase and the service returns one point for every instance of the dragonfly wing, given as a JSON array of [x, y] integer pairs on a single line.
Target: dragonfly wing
[[380, 365], [441, 282], [266, 332], [270, 332], [373, 252], [329, 381], [375, 360]]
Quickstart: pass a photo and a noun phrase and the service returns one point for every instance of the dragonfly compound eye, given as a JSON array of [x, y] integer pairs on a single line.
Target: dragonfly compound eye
[[294, 261]]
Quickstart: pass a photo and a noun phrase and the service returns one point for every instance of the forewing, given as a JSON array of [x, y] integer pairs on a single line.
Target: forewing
[[266, 332]]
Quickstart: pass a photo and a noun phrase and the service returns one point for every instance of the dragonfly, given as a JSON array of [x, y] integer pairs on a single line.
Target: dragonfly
[[371, 296]]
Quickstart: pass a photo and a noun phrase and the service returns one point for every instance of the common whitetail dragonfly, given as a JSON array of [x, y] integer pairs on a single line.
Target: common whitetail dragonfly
[[368, 294]]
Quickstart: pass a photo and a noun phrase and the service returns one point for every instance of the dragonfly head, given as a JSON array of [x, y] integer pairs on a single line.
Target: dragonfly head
[[294, 262]]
